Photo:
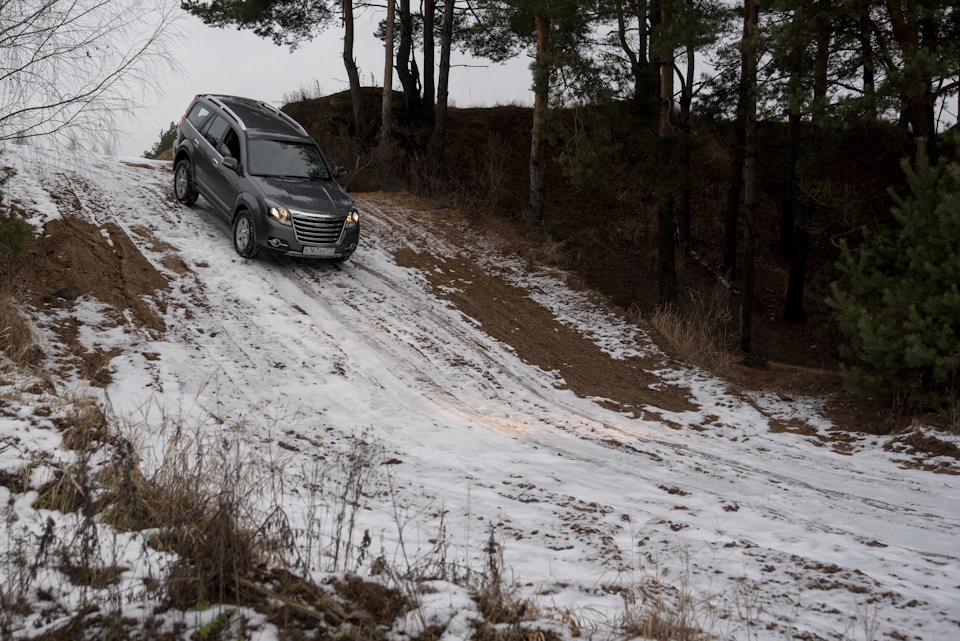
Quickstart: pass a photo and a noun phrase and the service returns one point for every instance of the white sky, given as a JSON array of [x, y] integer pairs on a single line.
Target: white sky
[[240, 63]]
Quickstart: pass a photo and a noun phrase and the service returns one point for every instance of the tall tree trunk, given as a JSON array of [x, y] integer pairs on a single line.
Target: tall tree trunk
[[750, 26], [666, 247], [538, 163], [649, 17], [353, 74], [409, 80], [929, 41], [439, 137], [793, 309], [788, 203], [918, 104], [625, 46], [683, 203], [867, 61], [386, 120], [429, 12], [645, 80], [736, 186], [731, 220]]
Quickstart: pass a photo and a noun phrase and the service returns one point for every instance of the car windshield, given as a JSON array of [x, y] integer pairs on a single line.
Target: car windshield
[[287, 159]]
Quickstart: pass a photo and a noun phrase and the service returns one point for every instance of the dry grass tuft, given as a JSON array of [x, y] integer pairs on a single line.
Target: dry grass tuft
[[85, 432], [654, 610], [197, 509], [216, 557], [505, 615], [84, 426], [62, 494], [698, 331], [562, 254], [16, 339]]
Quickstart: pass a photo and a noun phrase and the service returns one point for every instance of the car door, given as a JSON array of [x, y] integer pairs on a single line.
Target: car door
[[206, 164], [224, 182]]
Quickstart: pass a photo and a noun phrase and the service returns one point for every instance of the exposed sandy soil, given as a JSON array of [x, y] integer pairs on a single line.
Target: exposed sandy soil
[[73, 258], [508, 315]]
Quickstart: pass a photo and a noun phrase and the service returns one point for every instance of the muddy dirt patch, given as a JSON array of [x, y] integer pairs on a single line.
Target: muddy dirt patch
[[507, 314], [73, 258]]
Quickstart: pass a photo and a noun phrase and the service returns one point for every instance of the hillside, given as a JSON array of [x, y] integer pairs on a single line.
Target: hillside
[[440, 416], [604, 230]]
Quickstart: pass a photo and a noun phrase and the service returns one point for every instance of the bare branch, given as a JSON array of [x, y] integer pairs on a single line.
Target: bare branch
[[71, 69]]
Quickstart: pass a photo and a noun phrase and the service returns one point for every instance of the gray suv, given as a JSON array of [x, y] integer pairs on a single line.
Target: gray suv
[[258, 167]]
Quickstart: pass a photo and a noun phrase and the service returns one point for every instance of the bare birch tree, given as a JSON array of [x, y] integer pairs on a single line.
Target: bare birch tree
[[72, 70]]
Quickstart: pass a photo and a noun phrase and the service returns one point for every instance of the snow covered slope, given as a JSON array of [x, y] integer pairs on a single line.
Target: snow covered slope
[[774, 533]]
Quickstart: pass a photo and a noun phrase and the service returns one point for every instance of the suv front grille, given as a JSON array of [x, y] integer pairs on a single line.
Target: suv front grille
[[316, 231]]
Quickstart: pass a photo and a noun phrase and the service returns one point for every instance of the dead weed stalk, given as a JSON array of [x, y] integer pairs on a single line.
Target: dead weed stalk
[[698, 331], [506, 616], [656, 610], [16, 338]]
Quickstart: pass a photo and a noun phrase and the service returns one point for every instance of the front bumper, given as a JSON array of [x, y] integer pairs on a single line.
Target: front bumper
[[286, 240]]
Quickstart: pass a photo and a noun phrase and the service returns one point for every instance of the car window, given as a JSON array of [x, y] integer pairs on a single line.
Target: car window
[[214, 130], [230, 145], [197, 115], [285, 158]]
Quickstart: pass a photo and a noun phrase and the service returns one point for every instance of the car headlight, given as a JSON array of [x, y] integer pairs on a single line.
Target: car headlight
[[278, 213], [352, 218]]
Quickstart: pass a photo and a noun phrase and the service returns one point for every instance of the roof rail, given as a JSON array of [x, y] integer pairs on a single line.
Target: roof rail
[[285, 116], [220, 104]]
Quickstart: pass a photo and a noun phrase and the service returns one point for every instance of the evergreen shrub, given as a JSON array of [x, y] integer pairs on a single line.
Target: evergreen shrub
[[15, 233], [166, 142], [897, 297]]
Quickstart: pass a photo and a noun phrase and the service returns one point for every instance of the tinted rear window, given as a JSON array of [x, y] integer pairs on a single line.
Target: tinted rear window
[[197, 115]]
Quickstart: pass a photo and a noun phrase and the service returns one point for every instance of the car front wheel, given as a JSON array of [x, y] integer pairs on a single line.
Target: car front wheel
[[183, 187], [244, 237]]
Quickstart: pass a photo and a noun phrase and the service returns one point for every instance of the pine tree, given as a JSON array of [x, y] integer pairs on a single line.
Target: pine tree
[[15, 233], [166, 142], [897, 298]]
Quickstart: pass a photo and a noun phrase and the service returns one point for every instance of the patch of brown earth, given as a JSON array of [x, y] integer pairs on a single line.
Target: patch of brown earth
[[921, 447], [507, 314], [73, 258], [168, 167]]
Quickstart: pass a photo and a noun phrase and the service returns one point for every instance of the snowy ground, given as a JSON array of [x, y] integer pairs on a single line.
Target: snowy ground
[[783, 537]]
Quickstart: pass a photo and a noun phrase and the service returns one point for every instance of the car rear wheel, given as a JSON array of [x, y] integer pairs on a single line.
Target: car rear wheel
[[244, 236], [183, 187]]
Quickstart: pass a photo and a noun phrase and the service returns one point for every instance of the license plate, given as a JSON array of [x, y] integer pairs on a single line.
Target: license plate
[[318, 251]]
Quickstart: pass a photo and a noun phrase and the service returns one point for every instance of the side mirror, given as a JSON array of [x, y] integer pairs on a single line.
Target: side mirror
[[338, 171], [231, 163]]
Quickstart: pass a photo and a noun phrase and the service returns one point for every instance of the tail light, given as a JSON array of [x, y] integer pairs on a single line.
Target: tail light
[[187, 111]]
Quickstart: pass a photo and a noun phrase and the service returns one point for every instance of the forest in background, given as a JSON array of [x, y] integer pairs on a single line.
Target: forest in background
[[638, 166]]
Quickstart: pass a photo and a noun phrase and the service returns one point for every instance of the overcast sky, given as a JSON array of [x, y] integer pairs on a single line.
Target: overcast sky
[[240, 63]]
